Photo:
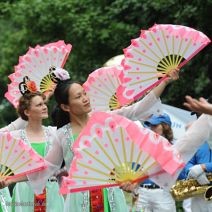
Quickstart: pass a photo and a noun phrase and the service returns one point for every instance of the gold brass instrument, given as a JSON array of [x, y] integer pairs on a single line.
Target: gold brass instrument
[[184, 189]]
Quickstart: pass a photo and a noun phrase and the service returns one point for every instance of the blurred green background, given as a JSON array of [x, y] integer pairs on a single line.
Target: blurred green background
[[99, 30]]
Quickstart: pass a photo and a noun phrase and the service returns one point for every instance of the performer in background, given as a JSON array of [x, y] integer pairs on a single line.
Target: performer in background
[[151, 197]]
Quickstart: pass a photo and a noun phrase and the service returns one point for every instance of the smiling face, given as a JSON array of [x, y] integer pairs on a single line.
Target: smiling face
[[78, 101], [37, 109]]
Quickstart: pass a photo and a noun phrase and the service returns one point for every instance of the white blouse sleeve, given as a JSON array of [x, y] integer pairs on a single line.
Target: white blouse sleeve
[[142, 109], [53, 161], [19, 123], [195, 136]]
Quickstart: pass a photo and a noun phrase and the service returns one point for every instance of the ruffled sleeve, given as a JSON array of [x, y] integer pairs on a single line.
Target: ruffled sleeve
[[53, 162], [196, 135], [15, 125]]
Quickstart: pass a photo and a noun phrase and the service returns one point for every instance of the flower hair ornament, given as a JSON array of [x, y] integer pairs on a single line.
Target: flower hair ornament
[[39, 69], [27, 86], [48, 82], [59, 74]]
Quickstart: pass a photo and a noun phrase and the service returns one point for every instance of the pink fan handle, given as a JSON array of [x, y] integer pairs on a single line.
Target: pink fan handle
[[26, 173], [90, 188]]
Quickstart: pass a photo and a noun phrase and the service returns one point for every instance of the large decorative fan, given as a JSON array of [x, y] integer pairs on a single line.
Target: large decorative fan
[[112, 149], [35, 70], [151, 56], [101, 87], [17, 158]]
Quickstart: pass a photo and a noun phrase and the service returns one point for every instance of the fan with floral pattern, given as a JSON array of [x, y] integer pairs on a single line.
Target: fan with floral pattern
[[17, 158], [151, 56], [101, 87], [112, 149], [35, 70]]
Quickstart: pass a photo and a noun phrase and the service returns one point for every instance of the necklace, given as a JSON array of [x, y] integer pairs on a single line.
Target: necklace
[[23, 136], [3, 202], [69, 136], [46, 135], [67, 145]]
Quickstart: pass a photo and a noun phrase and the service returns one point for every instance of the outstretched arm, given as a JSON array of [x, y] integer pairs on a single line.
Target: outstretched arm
[[53, 160], [15, 125], [196, 135], [150, 104], [8, 181], [172, 76], [199, 106]]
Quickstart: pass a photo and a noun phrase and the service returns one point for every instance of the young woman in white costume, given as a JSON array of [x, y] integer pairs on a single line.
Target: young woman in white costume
[[32, 108], [73, 100]]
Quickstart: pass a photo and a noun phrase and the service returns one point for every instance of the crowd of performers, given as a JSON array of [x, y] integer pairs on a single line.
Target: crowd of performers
[[54, 144]]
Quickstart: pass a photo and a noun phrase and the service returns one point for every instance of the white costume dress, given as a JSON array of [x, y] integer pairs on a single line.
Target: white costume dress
[[62, 150], [15, 125]]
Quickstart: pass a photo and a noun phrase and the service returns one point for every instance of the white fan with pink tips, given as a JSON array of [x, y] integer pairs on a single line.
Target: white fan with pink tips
[[111, 149], [17, 158], [101, 87], [153, 54], [35, 70]]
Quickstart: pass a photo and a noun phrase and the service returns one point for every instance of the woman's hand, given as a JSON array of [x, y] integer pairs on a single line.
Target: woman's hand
[[199, 106], [172, 75], [129, 186], [4, 183], [60, 173]]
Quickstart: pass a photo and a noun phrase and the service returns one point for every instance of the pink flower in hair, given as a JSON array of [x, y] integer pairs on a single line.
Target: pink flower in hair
[[61, 74]]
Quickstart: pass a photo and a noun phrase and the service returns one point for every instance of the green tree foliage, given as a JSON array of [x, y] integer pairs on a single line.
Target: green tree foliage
[[99, 30]]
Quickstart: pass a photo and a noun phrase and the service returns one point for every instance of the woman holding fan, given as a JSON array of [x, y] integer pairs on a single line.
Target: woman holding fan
[[71, 117]]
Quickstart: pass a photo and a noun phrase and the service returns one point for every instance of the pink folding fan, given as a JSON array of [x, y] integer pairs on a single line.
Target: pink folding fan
[[17, 158], [35, 70], [112, 149], [101, 87], [152, 55]]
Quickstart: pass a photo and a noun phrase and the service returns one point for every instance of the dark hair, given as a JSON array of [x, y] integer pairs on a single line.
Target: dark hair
[[25, 102], [61, 94], [167, 132]]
